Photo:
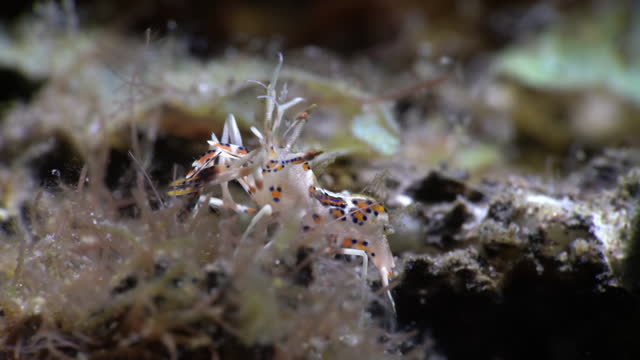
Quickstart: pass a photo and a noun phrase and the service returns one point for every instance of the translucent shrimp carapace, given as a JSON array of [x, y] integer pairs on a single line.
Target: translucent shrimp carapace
[[281, 181]]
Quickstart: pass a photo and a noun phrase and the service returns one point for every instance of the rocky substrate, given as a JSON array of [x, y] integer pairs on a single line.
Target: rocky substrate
[[519, 269]]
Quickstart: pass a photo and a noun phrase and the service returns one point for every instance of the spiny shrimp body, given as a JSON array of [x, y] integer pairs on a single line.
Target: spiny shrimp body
[[279, 180]]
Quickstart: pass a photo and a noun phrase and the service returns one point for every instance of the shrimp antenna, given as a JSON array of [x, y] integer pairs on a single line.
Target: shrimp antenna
[[293, 132], [271, 98]]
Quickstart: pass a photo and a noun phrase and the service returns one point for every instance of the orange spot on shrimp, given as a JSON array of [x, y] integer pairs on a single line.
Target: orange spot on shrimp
[[305, 114], [316, 218], [209, 155], [226, 148], [361, 204], [195, 179], [306, 166], [348, 242], [363, 245], [252, 189], [251, 210], [378, 209], [296, 160], [358, 217], [276, 192], [336, 201], [307, 156], [337, 213], [202, 162], [327, 199], [231, 149]]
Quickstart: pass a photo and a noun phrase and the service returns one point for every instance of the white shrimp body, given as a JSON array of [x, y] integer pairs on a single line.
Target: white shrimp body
[[350, 221], [282, 180]]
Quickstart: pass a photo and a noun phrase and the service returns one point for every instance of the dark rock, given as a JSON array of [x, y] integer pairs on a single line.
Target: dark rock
[[553, 315], [436, 188], [446, 226]]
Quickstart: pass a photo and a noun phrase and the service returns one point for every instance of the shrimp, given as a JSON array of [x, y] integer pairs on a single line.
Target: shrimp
[[279, 179]]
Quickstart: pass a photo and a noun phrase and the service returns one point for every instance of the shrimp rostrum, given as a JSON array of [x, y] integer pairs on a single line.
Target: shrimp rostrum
[[280, 182]]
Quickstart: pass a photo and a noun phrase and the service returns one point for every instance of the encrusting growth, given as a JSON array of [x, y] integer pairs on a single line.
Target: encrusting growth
[[279, 179]]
